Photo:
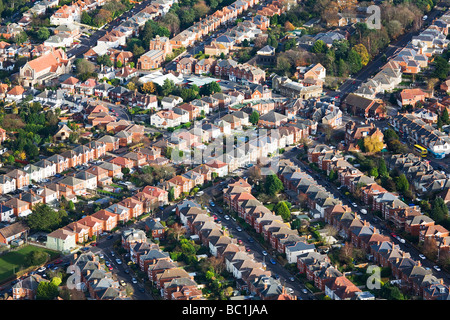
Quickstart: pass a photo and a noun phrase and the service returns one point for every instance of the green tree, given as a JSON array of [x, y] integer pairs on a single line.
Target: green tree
[[86, 18], [354, 61], [171, 194], [332, 176], [382, 169], [46, 291], [254, 117], [44, 218], [439, 210], [445, 117], [43, 34], [319, 47], [402, 183], [373, 172], [273, 185], [282, 210]]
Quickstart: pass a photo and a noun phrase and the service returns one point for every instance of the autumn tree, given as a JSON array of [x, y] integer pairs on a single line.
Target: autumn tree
[[373, 144], [363, 54], [149, 87], [289, 26]]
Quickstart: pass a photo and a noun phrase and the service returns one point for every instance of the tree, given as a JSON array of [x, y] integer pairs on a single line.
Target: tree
[[86, 18], [84, 66], [43, 34], [171, 194], [104, 60], [354, 61], [382, 169], [46, 291], [200, 9], [149, 87], [35, 258], [439, 210], [273, 185], [282, 210], [332, 176], [441, 69], [373, 144], [254, 117], [289, 26], [402, 183], [44, 218], [319, 47], [363, 54], [168, 87], [373, 172], [445, 117]]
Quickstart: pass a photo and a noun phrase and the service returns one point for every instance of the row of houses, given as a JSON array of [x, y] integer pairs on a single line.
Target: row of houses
[[404, 217], [173, 282], [283, 239], [95, 279], [78, 232], [410, 274], [419, 171], [418, 131], [250, 275], [411, 59]]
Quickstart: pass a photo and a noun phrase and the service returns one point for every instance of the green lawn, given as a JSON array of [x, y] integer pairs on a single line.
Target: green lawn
[[12, 262]]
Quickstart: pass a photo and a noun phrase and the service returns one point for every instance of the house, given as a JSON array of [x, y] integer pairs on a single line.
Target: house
[[26, 288], [272, 119], [61, 240], [14, 231], [412, 97], [156, 228], [364, 107]]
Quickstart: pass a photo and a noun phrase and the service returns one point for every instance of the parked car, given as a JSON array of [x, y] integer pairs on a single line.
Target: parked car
[[134, 280], [421, 256], [119, 261], [122, 283], [272, 261], [437, 268], [264, 252]]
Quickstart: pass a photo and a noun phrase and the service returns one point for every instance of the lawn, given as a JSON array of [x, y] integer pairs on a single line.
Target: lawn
[[12, 262]]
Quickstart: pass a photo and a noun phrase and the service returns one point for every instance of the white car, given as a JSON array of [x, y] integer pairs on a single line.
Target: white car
[[421, 256], [134, 280], [119, 261], [437, 268], [226, 217], [42, 269], [354, 204]]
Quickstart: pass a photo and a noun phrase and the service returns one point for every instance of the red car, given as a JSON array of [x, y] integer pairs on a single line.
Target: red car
[[247, 249], [58, 261]]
